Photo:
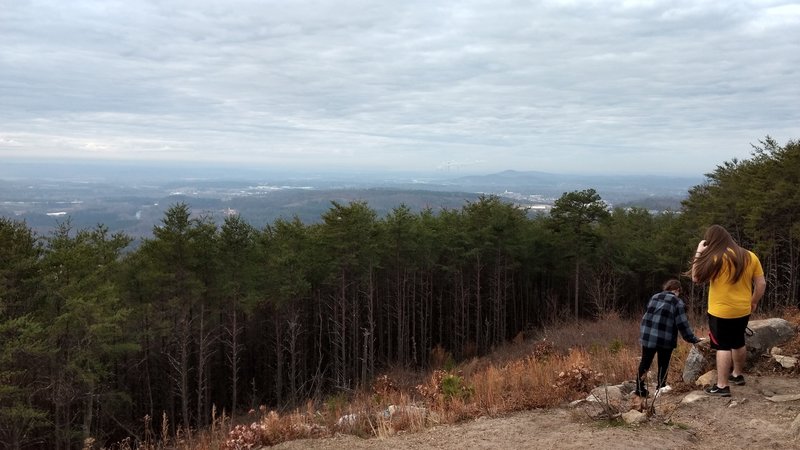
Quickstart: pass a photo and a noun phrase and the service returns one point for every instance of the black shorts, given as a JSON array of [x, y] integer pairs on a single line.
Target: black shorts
[[727, 334]]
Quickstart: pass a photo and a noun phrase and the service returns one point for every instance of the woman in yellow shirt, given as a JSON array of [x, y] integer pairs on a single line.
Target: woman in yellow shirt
[[736, 285]]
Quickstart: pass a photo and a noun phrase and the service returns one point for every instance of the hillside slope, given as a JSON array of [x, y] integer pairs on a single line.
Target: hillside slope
[[748, 419]]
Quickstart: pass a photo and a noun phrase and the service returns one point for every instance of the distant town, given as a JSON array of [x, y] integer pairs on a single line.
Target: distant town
[[131, 202]]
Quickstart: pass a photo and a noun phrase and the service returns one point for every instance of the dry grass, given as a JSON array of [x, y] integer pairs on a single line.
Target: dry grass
[[558, 364]]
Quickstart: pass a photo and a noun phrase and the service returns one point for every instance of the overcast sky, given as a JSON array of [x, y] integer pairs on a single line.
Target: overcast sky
[[671, 86]]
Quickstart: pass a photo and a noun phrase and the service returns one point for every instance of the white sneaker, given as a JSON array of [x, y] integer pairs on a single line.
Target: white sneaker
[[665, 389]]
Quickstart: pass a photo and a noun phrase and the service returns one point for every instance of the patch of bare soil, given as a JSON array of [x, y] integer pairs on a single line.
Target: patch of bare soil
[[747, 419]]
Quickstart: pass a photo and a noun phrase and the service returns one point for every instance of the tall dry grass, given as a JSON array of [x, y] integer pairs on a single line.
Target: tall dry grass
[[557, 364]]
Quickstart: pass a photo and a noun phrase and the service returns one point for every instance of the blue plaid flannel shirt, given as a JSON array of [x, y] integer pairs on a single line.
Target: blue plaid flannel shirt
[[664, 318]]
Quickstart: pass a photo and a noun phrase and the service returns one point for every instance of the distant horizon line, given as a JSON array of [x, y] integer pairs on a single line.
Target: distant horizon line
[[251, 170]]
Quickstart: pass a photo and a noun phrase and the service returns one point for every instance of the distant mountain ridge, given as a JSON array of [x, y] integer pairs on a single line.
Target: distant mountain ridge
[[536, 177], [616, 188]]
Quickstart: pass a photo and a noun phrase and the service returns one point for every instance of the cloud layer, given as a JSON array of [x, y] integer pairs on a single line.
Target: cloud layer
[[613, 87]]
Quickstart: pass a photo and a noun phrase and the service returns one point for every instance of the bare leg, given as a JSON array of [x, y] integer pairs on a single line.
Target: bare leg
[[724, 363], [739, 356]]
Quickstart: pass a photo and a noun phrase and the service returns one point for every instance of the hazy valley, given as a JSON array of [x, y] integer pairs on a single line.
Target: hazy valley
[[134, 199]]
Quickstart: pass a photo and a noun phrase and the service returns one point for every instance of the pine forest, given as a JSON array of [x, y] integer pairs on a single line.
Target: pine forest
[[95, 336]]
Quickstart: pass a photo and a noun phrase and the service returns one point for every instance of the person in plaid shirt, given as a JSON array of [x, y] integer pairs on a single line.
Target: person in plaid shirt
[[664, 318]]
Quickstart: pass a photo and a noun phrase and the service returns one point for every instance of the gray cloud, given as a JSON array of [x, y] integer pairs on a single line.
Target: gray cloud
[[642, 86]]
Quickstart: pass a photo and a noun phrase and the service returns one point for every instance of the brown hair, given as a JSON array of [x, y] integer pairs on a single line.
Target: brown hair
[[672, 285], [720, 246]]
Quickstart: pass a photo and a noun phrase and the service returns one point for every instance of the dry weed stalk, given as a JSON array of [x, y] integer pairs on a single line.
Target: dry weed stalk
[[568, 363]]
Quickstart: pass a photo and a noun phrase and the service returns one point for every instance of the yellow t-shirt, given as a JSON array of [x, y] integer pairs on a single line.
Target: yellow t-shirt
[[732, 300]]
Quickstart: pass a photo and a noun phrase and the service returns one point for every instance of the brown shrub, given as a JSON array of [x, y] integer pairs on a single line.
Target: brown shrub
[[273, 429]]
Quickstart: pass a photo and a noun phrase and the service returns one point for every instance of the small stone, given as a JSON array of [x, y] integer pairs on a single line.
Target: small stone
[[634, 417], [784, 398], [787, 362], [707, 379], [694, 396]]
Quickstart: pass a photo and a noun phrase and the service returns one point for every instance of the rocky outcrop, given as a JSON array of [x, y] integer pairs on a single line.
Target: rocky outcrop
[[767, 333]]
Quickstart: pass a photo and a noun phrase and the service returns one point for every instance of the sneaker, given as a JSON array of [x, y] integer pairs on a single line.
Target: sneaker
[[737, 380], [718, 391], [664, 389]]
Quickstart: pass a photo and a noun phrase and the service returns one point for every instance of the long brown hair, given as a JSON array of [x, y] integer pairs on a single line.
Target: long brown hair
[[720, 246]]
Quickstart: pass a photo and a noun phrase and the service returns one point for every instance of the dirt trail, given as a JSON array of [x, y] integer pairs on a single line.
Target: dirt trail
[[746, 420]]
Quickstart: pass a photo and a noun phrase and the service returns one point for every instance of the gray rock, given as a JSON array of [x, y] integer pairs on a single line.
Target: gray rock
[[610, 395], [768, 333], [634, 417], [696, 364], [627, 387]]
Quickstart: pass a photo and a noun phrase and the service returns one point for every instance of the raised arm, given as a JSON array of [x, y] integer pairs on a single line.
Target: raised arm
[[701, 247], [682, 321]]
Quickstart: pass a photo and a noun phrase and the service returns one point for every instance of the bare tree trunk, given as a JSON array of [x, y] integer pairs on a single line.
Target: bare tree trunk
[[355, 331], [319, 374], [293, 335], [399, 319], [412, 316], [278, 361], [461, 302], [88, 413], [204, 352], [371, 325], [794, 271], [364, 356], [601, 288], [339, 334], [478, 307], [426, 315], [577, 288], [180, 367], [232, 342]]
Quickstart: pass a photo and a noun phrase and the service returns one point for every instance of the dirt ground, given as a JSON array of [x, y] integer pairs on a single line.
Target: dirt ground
[[746, 420]]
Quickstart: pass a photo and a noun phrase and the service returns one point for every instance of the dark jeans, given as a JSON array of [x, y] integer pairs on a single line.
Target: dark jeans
[[664, 355]]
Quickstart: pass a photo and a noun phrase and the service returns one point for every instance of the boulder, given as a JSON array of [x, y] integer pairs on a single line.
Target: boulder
[[609, 395], [697, 362], [767, 333]]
